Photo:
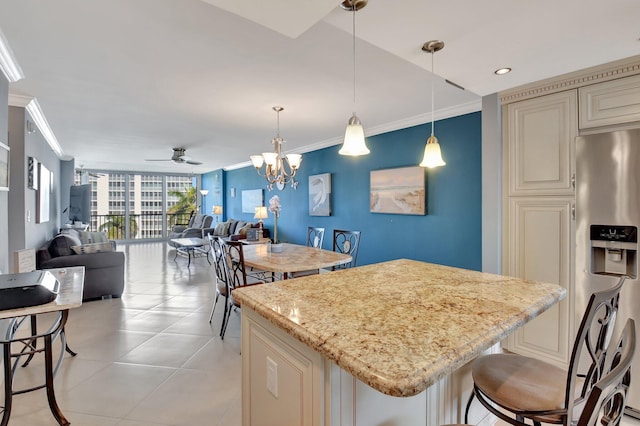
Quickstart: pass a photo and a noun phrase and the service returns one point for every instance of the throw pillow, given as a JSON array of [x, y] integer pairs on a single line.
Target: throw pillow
[[92, 248], [243, 230], [222, 229], [92, 237], [61, 245]]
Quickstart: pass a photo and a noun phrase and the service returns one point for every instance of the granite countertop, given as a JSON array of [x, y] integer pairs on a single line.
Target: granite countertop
[[402, 325]]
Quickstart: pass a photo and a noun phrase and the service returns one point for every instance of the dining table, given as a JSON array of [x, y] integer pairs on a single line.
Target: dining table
[[293, 258]]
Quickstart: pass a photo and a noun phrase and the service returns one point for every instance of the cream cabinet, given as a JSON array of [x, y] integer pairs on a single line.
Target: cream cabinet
[[539, 155], [285, 382], [538, 224], [282, 381], [539, 247], [610, 103], [540, 123]]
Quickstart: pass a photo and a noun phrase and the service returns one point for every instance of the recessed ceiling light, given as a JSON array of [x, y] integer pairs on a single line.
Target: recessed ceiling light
[[501, 71]]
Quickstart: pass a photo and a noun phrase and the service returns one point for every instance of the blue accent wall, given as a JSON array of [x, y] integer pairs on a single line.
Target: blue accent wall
[[214, 182], [450, 232]]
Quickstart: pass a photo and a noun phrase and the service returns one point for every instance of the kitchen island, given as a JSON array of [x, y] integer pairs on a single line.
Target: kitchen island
[[341, 347]]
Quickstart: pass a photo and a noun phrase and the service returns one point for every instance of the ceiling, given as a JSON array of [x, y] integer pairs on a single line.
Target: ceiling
[[121, 81]]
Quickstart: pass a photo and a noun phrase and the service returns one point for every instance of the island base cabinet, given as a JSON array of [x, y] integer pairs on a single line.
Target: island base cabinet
[[284, 382]]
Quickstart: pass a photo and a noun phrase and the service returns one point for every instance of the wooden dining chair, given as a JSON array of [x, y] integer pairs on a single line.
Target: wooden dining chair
[[233, 263], [346, 242], [515, 387]]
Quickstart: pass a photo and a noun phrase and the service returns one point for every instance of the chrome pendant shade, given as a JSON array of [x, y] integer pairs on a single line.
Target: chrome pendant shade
[[432, 154], [354, 143], [276, 163]]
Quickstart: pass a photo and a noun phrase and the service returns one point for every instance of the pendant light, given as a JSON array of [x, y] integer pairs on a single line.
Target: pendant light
[[432, 155], [354, 143]]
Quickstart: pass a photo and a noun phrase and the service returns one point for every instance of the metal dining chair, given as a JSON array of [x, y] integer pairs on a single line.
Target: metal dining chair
[[315, 237], [215, 244], [346, 242], [235, 271]]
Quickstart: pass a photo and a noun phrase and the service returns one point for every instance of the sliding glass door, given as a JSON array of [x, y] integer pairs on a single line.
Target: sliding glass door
[[130, 206]]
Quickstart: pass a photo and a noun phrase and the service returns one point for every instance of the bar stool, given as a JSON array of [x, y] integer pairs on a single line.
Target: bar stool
[[511, 385], [607, 399]]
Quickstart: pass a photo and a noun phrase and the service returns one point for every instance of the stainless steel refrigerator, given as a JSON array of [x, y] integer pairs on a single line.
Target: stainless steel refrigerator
[[607, 220]]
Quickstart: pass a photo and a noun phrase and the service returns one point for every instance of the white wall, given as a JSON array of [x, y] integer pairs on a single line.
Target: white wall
[[4, 196], [24, 232], [491, 184]]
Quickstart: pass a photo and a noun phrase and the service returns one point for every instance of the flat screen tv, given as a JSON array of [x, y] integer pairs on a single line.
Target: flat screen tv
[[80, 203]]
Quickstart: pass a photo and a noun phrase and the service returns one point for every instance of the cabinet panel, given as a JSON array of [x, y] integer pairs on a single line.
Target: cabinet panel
[[539, 248], [282, 381], [610, 103], [539, 144]]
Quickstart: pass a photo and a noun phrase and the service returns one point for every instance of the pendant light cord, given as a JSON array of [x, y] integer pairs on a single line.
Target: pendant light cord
[[353, 6], [432, 94]]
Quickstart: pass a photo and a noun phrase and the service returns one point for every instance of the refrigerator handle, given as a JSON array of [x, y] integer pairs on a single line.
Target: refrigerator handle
[[573, 211], [573, 181]]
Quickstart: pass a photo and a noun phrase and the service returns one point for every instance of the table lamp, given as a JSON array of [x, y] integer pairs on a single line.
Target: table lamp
[[217, 211], [260, 213]]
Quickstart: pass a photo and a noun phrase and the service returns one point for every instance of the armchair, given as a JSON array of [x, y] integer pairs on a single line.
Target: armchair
[[199, 226]]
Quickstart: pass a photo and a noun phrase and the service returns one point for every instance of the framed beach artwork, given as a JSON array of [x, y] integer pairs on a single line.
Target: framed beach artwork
[[320, 195], [251, 199], [398, 191], [4, 167]]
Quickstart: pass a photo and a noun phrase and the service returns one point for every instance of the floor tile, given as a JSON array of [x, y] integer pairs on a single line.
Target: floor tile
[[179, 400], [114, 391], [165, 349]]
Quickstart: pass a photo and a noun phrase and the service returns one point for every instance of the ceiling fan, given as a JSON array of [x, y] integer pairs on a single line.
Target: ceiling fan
[[82, 172], [179, 157]]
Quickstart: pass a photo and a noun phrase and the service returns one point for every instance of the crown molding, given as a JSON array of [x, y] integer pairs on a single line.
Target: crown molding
[[19, 100], [404, 123], [8, 63], [33, 108], [610, 71]]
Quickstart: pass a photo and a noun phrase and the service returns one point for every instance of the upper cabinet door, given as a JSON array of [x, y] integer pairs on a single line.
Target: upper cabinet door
[[610, 103], [539, 144]]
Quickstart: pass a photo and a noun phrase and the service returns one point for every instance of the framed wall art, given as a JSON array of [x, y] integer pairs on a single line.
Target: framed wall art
[[4, 167], [32, 173], [320, 195], [251, 199], [398, 191]]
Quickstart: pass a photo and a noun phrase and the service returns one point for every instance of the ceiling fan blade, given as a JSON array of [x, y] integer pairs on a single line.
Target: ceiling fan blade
[[153, 159], [195, 163]]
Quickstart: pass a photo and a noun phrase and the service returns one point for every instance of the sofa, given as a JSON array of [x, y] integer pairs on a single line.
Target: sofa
[[236, 230], [103, 266], [198, 227]]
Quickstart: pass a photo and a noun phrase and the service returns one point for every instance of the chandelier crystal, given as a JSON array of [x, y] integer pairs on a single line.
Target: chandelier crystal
[[279, 169]]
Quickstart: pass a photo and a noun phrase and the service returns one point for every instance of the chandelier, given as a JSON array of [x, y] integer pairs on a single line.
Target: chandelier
[[276, 163]]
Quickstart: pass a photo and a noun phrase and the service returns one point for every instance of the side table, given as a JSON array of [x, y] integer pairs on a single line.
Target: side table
[[70, 296]]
